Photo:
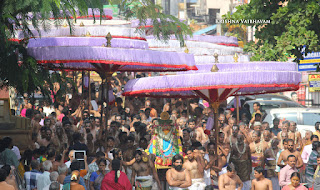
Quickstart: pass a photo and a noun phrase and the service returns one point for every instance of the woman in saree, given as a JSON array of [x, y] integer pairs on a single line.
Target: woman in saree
[[97, 176], [116, 179]]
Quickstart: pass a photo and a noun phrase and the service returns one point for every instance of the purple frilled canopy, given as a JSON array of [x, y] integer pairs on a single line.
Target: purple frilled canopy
[[85, 41], [91, 13], [89, 31], [231, 79], [87, 53], [223, 40]]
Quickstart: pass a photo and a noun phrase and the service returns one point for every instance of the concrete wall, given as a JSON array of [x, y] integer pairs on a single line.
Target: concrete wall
[[223, 5], [169, 6], [174, 8]]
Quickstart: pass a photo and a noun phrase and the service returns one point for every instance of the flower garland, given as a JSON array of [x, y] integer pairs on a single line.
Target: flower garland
[[157, 145], [258, 149]]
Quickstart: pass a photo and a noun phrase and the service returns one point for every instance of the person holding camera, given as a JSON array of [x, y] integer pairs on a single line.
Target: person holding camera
[[70, 179]]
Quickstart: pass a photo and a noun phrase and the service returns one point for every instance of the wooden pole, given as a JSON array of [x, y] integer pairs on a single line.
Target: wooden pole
[[109, 75], [215, 107], [89, 103], [188, 108], [237, 104], [82, 84], [102, 100]]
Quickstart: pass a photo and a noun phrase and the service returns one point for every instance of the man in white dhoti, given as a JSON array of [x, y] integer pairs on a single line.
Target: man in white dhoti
[[195, 164], [143, 172]]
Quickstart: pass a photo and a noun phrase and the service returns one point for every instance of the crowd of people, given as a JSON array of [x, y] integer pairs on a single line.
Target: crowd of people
[[73, 147]]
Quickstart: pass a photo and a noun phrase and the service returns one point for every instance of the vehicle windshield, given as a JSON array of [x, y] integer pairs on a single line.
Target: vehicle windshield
[[271, 105], [310, 118], [287, 116]]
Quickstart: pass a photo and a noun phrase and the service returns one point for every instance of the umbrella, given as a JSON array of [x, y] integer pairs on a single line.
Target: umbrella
[[221, 40], [90, 53], [85, 53], [202, 47], [224, 80]]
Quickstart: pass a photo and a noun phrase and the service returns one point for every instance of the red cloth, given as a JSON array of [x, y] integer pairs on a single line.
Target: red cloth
[[60, 117], [109, 184], [207, 132]]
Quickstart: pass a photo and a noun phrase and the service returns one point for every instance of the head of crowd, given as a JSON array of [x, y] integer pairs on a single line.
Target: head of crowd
[[71, 145]]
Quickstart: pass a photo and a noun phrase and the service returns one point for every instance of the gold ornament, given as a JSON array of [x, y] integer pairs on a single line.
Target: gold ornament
[[215, 55], [145, 159], [215, 106], [88, 34], [258, 149], [186, 50], [214, 68], [164, 116], [235, 57], [65, 24], [109, 37]]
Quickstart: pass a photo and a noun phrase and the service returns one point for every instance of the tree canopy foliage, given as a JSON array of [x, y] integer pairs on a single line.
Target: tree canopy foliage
[[293, 25], [22, 72]]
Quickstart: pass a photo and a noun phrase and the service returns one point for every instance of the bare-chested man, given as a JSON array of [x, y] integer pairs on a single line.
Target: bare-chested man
[[285, 147], [230, 180], [284, 135], [256, 127], [228, 128], [290, 151], [295, 135], [128, 154], [233, 138], [46, 140], [267, 137], [186, 140], [145, 171], [221, 120], [201, 136], [241, 158], [285, 128], [245, 130], [35, 123], [257, 148], [260, 182], [271, 162], [265, 126], [212, 163], [177, 177], [223, 152], [195, 164]]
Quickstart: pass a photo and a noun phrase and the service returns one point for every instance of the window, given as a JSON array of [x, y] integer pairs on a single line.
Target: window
[[213, 15], [2, 109], [310, 118], [278, 98], [287, 116]]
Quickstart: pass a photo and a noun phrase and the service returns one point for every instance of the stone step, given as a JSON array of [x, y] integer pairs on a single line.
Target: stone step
[[7, 125]]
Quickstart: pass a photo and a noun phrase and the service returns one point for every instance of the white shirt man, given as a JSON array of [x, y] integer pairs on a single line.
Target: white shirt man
[[44, 179], [53, 178], [71, 157], [308, 149]]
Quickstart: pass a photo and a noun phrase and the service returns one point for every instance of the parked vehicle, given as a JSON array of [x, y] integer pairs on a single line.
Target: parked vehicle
[[304, 117], [232, 100], [270, 104]]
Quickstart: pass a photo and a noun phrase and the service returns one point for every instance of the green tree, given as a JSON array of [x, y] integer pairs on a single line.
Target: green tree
[[22, 72], [293, 24]]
